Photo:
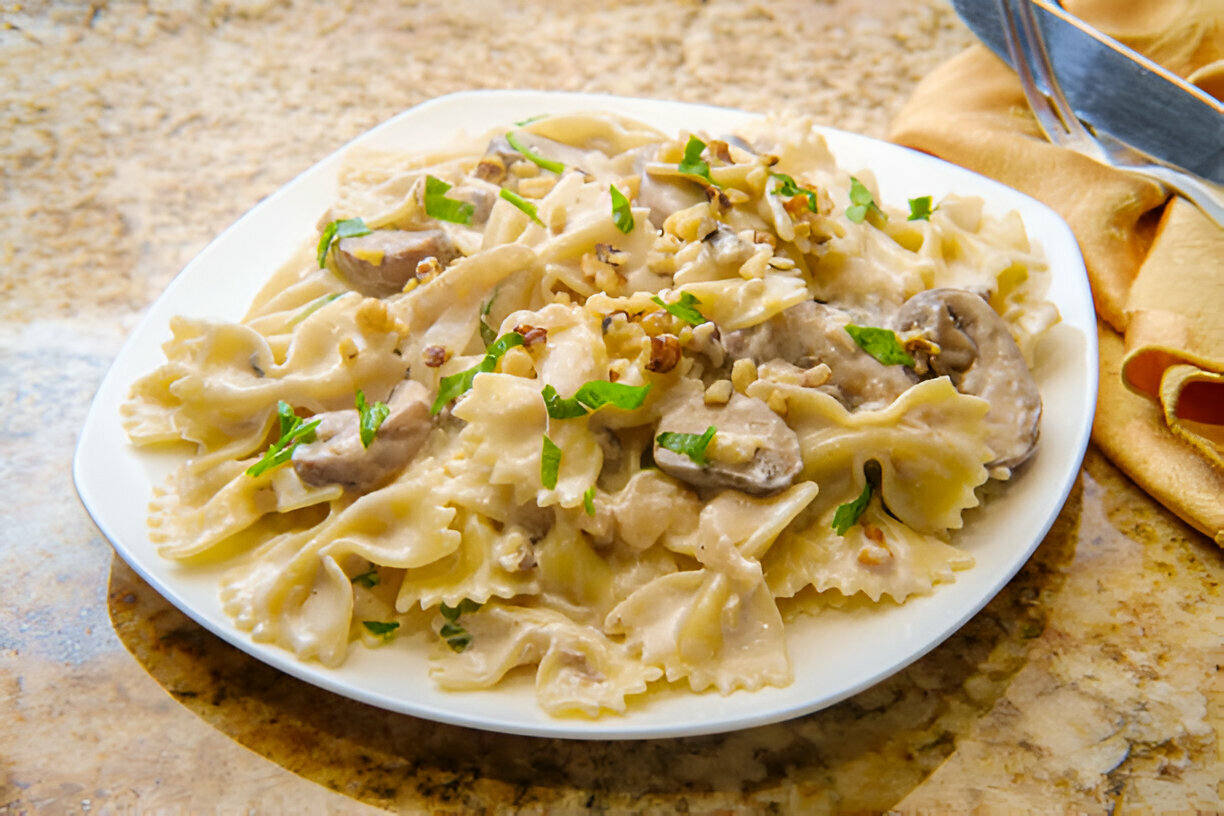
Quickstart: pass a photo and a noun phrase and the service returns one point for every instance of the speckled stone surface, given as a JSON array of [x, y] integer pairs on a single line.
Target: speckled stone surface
[[132, 133]]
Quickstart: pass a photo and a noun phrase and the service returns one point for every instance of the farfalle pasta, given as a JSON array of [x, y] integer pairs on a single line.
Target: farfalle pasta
[[593, 399]]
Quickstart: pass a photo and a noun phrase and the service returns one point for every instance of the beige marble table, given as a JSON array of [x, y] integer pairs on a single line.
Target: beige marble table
[[133, 133]]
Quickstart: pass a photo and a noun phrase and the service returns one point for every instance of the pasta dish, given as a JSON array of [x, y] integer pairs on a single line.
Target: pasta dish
[[587, 400]]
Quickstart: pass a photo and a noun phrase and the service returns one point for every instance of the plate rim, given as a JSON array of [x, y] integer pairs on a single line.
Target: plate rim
[[103, 410]]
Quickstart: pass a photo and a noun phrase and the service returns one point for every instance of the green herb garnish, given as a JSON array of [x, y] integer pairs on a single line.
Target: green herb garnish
[[487, 335], [292, 433], [588, 501], [920, 209], [531, 119], [881, 344], [372, 416], [438, 206], [548, 164], [848, 514], [693, 164], [861, 203], [452, 613], [621, 215], [343, 228], [691, 445], [592, 396], [550, 463], [456, 384], [788, 187], [455, 635], [683, 308], [314, 306], [522, 203], [368, 579], [383, 629]]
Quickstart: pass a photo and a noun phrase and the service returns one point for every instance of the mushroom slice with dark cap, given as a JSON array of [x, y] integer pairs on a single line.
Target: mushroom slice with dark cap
[[979, 355], [338, 457], [758, 452], [380, 263], [809, 333]]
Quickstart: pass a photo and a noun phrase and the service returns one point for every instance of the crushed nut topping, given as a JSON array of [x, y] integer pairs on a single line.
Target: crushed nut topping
[[664, 353], [491, 169], [435, 355], [428, 268], [532, 334], [610, 254]]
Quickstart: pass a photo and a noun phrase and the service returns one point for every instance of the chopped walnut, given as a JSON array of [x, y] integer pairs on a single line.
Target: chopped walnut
[[428, 268], [373, 316], [435, 355], [777, 403], [537, 187], [720, 150], [743, 374], [658, 322], [664, 353], [532, 334], [762, 237], [817, 375], [610, 254], [719, 393], [874, 553], [491, 169]]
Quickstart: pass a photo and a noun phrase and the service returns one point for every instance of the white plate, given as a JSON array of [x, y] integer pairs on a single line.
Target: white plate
[[834, 655]]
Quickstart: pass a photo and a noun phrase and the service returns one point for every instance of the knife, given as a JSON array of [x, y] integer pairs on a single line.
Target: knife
[[1117, 90]]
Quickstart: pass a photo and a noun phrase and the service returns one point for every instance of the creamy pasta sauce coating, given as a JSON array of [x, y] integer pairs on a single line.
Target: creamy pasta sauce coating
[[592, 398]]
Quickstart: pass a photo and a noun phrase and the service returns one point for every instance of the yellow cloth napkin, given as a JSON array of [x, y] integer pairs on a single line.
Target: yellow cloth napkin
[[1156, 264]]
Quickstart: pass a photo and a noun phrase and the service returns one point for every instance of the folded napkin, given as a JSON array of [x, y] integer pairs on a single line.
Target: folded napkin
[[1156, 264]]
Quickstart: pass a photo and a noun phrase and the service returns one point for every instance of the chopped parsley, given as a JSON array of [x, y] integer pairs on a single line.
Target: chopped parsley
[[683, 308], [343, 228], [550, 463], [384, 629], [788, 187], [522, 203], [487, 335], [861, 203], [314, 306], [588, 501], [691, 445], [881, 344], [457, 384], [592, 396], [455, 635], [368, 579], [438, 206], [621, 215], [920, 209], [292, 432], [693, 164], [547, 164], [372, 416], [848, 514]]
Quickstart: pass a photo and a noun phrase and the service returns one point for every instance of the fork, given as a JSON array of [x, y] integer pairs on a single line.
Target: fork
[[1063, 128]]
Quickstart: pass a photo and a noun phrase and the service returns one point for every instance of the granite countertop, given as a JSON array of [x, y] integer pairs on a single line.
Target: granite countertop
[[133, 133]]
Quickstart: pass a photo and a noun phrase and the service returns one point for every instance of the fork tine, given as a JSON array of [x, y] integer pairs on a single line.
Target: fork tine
[[1061, 126], [1051, 109]]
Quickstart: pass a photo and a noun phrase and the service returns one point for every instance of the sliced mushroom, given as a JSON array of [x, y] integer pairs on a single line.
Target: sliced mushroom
[[380, 263], [811, 333], [665, 195], [977, 352], [338, 457], [756, 451], [725, 248]]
